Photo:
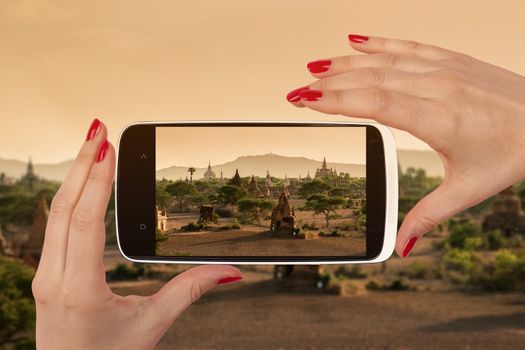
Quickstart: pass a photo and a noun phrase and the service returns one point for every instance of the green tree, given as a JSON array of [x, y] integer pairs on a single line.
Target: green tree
[[230, 194], [162, 197], [17, 308], [315, 186], [322, 204], [181, 192], [255, 207]]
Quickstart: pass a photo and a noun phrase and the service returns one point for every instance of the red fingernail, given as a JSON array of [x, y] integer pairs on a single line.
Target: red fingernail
[[357, 38], [102, 151], [310, 95], [229, 280], [319, 66], [293, 96], [93, 129], [410, 245]]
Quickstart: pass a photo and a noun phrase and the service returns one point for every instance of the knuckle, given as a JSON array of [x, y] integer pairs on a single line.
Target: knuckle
[[427, 222], [82, 219], [61, 203], [380, 100], [42, 289], [374, 76], [346, 61], [391, 60], [412, 45], [196, 291]]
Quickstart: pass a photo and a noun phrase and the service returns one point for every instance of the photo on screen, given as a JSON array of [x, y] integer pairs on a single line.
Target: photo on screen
[[260, 191]]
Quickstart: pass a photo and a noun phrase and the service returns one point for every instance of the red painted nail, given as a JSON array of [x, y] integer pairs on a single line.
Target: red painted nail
[[102, 151], [293, 96], [93, 129], [410, 245], [319, 66], [357, 38], [310, 95], [229, 280]]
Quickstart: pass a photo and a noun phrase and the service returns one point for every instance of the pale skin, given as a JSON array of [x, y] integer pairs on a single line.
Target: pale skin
[[75, 307], [470, 112]]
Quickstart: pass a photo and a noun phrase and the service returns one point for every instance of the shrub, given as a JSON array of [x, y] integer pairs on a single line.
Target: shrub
[[460, 261], [506, 272], [235, 224], [346, 226], [420, 270], [17, 308], [224, 212], [193, 227], [309, 226]]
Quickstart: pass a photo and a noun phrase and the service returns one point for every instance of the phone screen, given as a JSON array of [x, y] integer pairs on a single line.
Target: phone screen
[[260, 192]]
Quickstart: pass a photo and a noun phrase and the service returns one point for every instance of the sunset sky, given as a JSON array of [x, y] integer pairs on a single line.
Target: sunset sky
[[200, 145], [64, 62]]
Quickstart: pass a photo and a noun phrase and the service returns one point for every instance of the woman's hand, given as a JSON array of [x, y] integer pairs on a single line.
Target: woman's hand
[[470, 112], [75, 307]]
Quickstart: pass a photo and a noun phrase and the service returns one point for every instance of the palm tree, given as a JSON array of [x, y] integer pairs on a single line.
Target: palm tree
[[191, 170]]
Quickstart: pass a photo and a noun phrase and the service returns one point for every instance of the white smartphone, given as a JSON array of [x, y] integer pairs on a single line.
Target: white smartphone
[[256, 192]]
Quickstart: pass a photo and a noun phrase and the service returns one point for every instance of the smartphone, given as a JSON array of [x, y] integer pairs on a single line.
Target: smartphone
[[256, 192]]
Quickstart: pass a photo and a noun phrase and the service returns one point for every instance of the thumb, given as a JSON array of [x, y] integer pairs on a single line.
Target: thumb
[[442, 203], [184, 289]]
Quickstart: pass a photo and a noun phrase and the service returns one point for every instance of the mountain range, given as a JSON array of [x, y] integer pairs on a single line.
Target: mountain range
[[247, 165]]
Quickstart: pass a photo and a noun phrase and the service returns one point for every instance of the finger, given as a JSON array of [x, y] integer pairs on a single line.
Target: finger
[[374, 44], [52, 260], [412, 84], [386, 107], [342, 64], [179, 293], [87, 230], [448, 199]]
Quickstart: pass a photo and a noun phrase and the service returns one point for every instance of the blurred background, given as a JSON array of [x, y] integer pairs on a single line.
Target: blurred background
[[63, 63]]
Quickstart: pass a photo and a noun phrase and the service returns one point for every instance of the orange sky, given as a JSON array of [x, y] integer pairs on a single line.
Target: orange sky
[[196, 146], [64, 62]]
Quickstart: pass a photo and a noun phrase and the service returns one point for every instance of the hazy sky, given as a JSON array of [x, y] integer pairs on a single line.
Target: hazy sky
[[64, 62], [196, 146]]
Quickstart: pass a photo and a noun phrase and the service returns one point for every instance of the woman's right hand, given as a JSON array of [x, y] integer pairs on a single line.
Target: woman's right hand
[[470, 112]]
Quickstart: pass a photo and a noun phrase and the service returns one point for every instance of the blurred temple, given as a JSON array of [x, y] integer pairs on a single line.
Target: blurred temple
[[31, 249], [507, 214]]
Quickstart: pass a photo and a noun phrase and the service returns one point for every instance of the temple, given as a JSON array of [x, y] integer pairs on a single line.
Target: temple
[[209, 174], [507, 214]]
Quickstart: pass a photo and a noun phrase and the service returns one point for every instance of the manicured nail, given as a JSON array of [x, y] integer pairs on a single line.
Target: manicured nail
[[93, 129], [226, 280], [102, 151], [310, 95], [319, 66], [410, 245], [357, 38], [293, 96]]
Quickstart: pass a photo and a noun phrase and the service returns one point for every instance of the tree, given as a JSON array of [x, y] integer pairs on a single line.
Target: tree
[[162, 198], [181, 191], [322, 204], [230, 194], [315, 186], [17, 308], [255, 207], [191, 170]]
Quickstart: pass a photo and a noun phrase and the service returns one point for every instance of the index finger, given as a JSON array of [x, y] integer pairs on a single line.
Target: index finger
[[376, 44]]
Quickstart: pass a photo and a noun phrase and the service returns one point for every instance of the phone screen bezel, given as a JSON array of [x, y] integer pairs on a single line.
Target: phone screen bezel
[[136, 182]]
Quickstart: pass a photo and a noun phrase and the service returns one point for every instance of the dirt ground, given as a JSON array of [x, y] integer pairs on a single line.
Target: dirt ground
[[258, 241], [258, 314]]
